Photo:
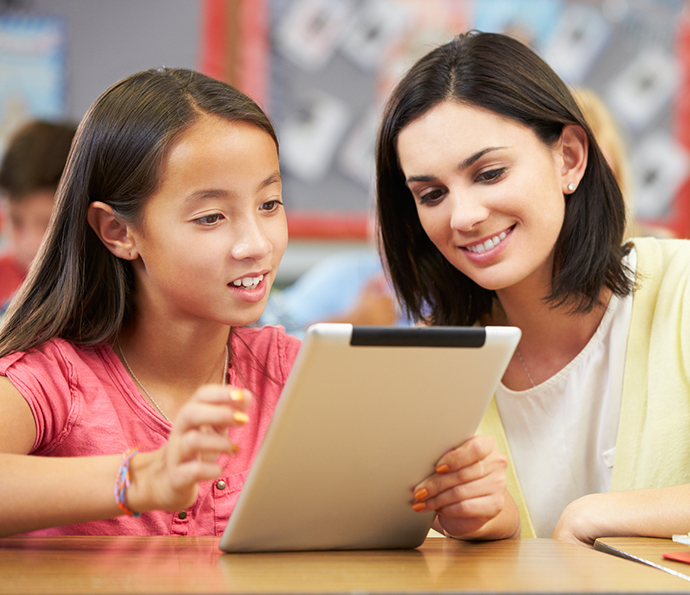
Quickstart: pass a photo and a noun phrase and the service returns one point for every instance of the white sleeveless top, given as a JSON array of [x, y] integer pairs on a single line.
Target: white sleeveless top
[[562, 433]]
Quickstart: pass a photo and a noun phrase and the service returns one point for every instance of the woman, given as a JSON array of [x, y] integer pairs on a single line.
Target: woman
[[496, 206]]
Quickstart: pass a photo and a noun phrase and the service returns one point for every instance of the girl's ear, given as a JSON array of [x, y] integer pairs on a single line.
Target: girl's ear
[[114, 234], [574, 151]]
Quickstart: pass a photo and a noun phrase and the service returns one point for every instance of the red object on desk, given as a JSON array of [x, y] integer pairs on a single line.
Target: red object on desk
[[683, 556]]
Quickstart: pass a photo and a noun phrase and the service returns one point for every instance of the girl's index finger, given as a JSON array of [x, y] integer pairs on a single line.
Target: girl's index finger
[[236, 397], [240, 397]]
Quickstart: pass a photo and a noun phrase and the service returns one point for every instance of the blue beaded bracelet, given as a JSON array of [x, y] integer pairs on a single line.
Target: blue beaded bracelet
[[122, 482]]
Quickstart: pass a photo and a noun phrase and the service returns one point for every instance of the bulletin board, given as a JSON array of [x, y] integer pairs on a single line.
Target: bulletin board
[[32, 71], [323, 68]]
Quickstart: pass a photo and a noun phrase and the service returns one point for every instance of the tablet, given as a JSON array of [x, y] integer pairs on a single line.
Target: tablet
[[364, 416]]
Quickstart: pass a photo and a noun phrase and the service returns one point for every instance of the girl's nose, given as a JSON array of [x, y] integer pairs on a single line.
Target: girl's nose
[[251, 240]]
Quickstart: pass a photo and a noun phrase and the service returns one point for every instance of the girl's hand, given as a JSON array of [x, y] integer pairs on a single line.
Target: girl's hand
[[168, 478], [468, 490]]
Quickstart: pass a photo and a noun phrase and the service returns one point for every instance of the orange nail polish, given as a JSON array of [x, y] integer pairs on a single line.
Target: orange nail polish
[[421, 494], [235, 449], [237, 395], [240, 417], [442, 468], [417, 506]]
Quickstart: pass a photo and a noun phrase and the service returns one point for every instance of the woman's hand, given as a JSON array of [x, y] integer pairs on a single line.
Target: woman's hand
[[649, 512], [468, 492], [168, 478], [578, 523]]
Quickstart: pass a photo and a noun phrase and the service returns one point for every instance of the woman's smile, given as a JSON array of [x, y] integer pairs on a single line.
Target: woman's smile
[[487, 249]]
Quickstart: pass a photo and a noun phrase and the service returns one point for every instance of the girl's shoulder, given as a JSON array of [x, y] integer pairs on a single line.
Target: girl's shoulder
[[267, 338], [274, 349], [54, 354]]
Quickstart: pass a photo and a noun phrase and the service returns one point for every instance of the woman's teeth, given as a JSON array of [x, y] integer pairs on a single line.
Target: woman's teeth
[[248, 281], [490, 243]]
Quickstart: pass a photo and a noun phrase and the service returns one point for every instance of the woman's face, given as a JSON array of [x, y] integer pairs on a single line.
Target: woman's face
[[488, 192], [215, 231]]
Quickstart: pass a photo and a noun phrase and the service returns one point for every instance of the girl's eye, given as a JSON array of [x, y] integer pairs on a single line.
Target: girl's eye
[[209, 219], [271, 205], [431, 197], [492, 175]]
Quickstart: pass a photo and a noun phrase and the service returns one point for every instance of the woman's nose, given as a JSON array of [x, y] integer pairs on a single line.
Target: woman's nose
[[467, 211]]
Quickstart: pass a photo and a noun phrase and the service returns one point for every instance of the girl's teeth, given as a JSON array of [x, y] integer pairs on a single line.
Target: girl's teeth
[[490, 243], [248, 281]]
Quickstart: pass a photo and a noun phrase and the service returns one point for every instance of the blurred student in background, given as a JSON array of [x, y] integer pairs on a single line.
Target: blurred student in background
[[346, 287], [29, 175], [613, 146]]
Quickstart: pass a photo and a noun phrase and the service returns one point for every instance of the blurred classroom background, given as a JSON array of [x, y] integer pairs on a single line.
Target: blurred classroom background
[[322, 68]]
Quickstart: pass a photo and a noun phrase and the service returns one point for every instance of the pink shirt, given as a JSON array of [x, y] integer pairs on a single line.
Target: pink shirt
[[85, 403]]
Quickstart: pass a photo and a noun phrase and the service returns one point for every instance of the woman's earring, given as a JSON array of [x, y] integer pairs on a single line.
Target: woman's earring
[[571, 187]]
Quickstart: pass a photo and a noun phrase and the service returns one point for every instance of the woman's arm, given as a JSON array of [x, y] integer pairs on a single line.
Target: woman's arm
[[468, 491], [39, 492], [655, 512]]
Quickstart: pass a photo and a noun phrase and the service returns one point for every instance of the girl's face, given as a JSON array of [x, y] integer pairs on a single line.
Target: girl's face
[[489, 193], [215, 231]]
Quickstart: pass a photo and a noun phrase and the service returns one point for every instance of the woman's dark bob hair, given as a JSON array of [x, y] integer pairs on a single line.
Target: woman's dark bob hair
[[497, 73], [77, 289]]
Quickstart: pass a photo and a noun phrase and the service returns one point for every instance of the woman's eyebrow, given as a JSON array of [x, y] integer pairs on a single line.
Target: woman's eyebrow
[[464, 165]]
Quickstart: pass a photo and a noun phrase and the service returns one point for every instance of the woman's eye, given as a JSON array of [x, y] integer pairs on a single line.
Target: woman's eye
[[209, 219], [492, 175], [271, 205], [431, 197]]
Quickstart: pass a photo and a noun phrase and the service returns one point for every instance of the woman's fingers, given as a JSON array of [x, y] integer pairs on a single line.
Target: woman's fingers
[[469, 480]]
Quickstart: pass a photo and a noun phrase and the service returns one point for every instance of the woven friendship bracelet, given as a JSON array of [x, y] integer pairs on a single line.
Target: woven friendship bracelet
[[122, 482]]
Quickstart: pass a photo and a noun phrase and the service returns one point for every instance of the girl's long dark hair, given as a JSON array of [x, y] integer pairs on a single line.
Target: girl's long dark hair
[[500, 74], [77, 289]]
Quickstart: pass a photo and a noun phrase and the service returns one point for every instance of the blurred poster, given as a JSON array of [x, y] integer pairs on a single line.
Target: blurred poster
[[335, 62], [312, 30], [32, 71], [311, 135]]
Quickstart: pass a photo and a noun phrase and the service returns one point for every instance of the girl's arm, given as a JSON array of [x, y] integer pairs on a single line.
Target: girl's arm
[[468, 491], [654, 512], [40, 492]]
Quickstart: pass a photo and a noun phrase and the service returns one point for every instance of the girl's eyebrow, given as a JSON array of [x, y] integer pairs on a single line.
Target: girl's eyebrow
[[464, 165], [274, 178]]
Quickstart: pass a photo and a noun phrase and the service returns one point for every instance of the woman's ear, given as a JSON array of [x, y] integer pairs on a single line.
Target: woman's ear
[[114, 234], [574, 151]]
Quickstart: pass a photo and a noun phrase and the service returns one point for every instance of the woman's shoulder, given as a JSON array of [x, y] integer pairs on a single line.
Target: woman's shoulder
[[661, 247], [661, 258]]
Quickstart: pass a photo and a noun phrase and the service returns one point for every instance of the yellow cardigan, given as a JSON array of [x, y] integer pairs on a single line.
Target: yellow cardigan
[[653, 443]]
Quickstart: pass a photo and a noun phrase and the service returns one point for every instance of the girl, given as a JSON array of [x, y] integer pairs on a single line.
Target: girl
[[167, 233], [496, 206]]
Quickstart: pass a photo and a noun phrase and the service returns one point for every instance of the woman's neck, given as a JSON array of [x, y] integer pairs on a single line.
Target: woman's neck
[[551, 337]]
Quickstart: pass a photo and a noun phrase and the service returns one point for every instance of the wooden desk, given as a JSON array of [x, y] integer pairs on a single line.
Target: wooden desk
[[111, 565], [648, 551]]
